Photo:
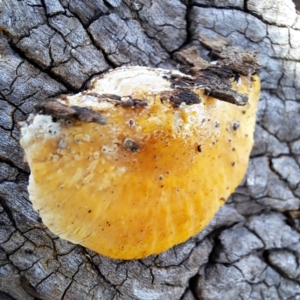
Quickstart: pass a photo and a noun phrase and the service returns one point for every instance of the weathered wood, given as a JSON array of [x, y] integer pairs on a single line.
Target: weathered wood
[[251, 248]]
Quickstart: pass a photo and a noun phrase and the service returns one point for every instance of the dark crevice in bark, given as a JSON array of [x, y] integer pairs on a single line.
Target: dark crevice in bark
[[242, 10], [146, 33], [91, 20], [292, 221], [27, 286], [47, 71], [193, 286], [219, 7], [4, 296], [283, 59], [44, 6], [6, 208], [246, 5], [11, 163], [86, 27], [281, 177], [266, 254], [72, 279], [97, 269], [188, 39]]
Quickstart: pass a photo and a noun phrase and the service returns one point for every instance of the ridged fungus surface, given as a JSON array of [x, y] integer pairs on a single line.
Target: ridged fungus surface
[[143, 159]]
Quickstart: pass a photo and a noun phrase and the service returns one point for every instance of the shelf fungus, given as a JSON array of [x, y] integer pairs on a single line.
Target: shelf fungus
[[142, 159]]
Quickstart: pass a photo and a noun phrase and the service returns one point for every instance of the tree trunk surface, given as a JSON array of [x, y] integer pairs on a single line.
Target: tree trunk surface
[[251, 249]]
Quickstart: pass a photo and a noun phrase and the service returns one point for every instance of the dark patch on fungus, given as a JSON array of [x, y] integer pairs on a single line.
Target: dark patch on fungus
[[187, 96], [199, 148], [130, 145], [88, 115], [215, 78], [229, 96], [60, 111], [131, 123], [120, 101], [55, 109], [132, 103], [105, 96], [235, 125]]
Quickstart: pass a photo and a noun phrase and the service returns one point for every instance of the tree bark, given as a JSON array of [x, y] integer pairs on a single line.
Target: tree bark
[[251, 249]]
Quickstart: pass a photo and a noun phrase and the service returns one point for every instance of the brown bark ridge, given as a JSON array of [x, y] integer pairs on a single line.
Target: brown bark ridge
[[251, 249]]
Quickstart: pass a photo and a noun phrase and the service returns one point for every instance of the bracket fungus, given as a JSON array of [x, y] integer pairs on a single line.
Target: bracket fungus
[[142, 159]]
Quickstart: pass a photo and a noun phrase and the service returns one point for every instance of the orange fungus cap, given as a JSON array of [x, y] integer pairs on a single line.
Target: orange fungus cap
[[140, 161]]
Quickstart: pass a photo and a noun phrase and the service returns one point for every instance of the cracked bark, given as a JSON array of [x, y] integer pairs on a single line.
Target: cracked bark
[[250, 250]]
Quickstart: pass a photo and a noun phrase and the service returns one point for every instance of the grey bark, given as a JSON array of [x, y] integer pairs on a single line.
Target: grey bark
[[251, 249]]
